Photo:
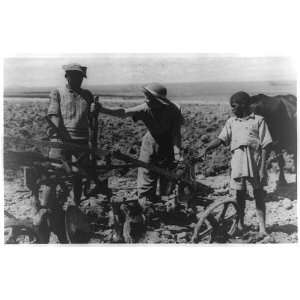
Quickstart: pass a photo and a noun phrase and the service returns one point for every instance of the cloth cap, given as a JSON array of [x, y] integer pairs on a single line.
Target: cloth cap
[[158, 91], [75, 67]]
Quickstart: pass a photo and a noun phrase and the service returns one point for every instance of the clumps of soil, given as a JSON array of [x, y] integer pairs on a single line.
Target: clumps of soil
[[203, 123]]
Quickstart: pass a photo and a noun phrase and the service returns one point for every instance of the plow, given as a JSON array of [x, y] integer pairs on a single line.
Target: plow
[[216, 223]]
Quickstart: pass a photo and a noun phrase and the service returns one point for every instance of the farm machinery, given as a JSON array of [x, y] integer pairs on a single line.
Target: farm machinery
[[216, 222]]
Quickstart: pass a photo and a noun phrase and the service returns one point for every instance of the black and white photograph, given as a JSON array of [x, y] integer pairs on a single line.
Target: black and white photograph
[[150, 149]]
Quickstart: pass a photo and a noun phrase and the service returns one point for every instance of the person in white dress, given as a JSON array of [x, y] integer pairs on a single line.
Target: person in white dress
[[249, 137]]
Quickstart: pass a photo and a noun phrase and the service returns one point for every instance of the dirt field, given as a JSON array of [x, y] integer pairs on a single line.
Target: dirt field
[[203, 123]]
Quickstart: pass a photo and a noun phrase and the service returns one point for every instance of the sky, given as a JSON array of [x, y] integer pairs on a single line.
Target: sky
[[138, 68]]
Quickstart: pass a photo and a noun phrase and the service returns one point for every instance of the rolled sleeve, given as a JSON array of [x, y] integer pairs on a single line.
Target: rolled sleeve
[[264, 134], [226, 133], [54, 107]]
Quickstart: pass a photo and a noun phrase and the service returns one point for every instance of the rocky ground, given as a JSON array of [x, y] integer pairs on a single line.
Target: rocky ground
[[202, 123], [281, 211]]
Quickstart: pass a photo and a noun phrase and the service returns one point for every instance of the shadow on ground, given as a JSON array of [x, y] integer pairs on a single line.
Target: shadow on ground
[[285, 191], [287, 228]]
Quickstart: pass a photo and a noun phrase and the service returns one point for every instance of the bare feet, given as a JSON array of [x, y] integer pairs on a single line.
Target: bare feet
[[258, 237], [242, 230]]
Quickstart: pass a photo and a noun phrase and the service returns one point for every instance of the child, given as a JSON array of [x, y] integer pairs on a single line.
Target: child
[[248, 136]]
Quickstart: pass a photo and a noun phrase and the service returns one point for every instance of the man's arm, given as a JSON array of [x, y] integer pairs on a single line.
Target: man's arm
[[122, 112], [54, 110], [223, 138], [115, 112], [176, 137]]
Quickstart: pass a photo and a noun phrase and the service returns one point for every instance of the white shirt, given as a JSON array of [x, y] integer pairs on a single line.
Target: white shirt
[[249, 131]]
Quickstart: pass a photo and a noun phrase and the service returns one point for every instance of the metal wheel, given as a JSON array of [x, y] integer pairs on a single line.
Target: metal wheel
[[217, 224]]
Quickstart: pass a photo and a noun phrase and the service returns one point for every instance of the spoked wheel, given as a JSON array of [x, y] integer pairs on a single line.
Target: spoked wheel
[[217, 224]]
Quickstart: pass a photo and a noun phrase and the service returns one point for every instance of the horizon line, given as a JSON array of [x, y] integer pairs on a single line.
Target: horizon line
[[142, 83]]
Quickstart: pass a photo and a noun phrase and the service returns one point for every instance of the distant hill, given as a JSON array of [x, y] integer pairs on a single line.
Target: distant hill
[[175, 90]]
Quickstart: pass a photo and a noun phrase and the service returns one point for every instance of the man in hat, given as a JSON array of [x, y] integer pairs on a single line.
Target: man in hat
[[70, 110], [161, 144]]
